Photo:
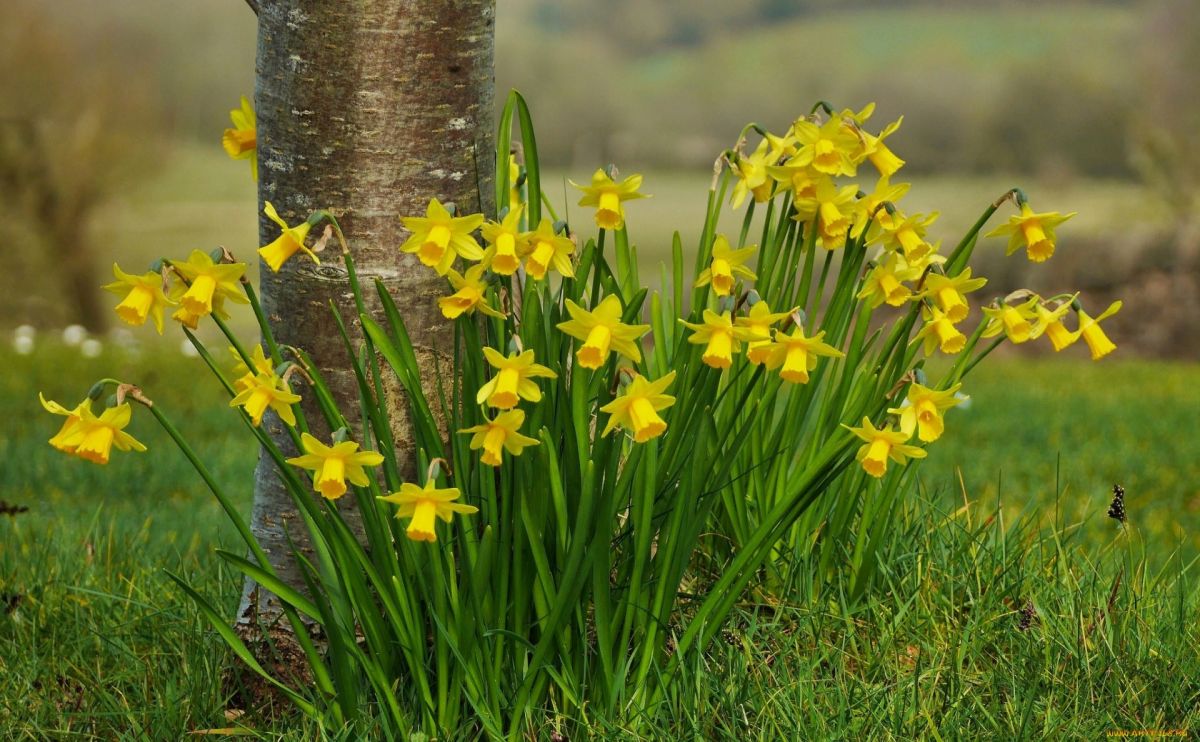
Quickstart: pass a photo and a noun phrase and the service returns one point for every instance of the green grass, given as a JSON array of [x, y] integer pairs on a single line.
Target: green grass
[[102, 646]]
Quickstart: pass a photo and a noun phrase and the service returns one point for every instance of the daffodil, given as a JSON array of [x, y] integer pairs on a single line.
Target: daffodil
[[333, 465], [90, 437], [828, 148], [923, 409], [208, 283], [438, 238], [190, 320], [797, 354], [718, 336], [757, 324], [267, 390], [801, 180], [498, 435], [833, 208], [513, 380], [288, 243], [885, 282], [468, 296], [144, 297], [545, 249], [1034, 232], [514, 179], [883, 444], [949, 293], [636, 409], [871, 214], [424, 505], [244, 376], [70, 425], [1049, 322], [241, 142], [726, 263], [505, 243], [1093, 335], [1014, 321], [884, 160], [907, 233], [751, 173], [602, 331], [607, 196], [940, 333]]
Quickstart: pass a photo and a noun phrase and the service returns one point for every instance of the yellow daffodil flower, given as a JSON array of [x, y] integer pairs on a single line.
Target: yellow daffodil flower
[[801, 180], [1034, 232], [797, 354], [244, 376], [829, 148], [241, 142], [940, 333], [1093, 335], [607, 196], [545, 249], [499, 435], [289, 242], [602, 331], [1013, 321], [424, 505], [923, 409], [506, 243], [726, 263], [513, 380], [208, 284], [833, 207], [884, 160], [438, 238], [885, 282], [781, 146], [90, 437], [636, 409], [1049, 322], [192, 321], [333, 465], [757, 324], [95, 437], [514, 177], [907, 233], [950, 293], [720, 338], [468, 296], [143, 297], [751, 173], [267, 390], [870, 215], [70, 425], [883, 444]]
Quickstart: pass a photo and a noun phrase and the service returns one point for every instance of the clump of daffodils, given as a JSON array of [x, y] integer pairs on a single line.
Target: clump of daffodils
[[811, 168], [592, 433]]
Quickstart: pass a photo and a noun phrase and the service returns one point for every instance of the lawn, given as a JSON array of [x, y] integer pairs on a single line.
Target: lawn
[[99, 644]]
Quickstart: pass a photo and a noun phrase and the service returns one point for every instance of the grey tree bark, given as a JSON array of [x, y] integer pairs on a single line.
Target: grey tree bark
[[368, 109]]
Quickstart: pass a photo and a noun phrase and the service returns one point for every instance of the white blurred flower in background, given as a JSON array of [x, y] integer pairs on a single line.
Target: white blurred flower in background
[[74, 334], [91, 348]]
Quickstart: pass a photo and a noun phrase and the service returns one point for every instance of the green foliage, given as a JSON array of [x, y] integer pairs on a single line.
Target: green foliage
[[105, 645]]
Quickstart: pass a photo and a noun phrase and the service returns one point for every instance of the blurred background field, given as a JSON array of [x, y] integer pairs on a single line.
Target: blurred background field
[[110, 119], [1088, 104]]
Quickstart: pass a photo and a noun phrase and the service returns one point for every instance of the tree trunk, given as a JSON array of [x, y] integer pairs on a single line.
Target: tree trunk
[[369, 109]]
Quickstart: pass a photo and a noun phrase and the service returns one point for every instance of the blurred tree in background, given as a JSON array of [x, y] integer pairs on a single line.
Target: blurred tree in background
[[1167, 134], [76, 120]]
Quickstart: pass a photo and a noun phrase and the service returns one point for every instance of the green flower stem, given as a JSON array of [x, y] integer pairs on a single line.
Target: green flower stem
[[263, 325]]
